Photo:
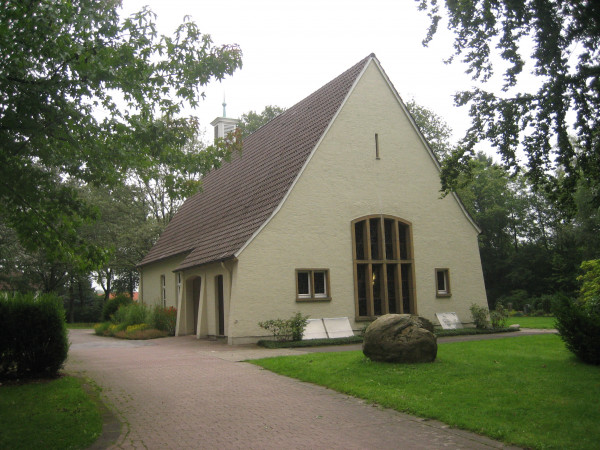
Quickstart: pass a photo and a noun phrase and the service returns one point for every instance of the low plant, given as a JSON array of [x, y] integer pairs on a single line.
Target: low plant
[[499, 316], [480, 316], [286, 330], [132, 314], [164, 319]]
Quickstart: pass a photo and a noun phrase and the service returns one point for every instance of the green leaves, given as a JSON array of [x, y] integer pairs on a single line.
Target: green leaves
[[86, 97], [556, 126]]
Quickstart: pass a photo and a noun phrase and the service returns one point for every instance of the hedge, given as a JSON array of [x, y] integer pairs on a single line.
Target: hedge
[[33, 335]]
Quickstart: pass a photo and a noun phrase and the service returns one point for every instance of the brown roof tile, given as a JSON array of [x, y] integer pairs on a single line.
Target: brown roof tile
[[239, 197]]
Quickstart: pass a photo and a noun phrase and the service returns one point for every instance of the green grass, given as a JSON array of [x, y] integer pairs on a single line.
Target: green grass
[[533, 322], [80, 325], [53, 414], [529, 391]]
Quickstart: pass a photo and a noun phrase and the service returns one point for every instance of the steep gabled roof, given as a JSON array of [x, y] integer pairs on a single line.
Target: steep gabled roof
[[239, 197]]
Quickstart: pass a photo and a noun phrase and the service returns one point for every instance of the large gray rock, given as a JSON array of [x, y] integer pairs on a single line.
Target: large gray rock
[[400, 338]]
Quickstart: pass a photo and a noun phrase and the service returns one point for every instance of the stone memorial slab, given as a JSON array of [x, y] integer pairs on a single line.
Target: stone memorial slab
[[315, 329], [449, 320], [338, 327]]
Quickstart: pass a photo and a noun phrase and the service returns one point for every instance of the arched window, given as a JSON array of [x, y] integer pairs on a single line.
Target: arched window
[[383, 266]]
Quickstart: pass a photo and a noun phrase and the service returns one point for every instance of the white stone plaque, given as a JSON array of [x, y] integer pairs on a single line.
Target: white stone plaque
[[449, 320], [338, 327], [315, 329]]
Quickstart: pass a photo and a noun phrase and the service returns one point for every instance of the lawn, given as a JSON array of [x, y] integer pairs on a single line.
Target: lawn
[[48, 414], [529, 391], [80, 325], [533, 322]]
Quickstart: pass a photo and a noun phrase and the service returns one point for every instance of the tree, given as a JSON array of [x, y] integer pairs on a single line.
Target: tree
[[86, 97], [565, 36], [435, 129], [252, 121]]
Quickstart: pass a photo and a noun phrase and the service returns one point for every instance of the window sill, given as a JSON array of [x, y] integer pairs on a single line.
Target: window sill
[[440, 295], [313, 299]]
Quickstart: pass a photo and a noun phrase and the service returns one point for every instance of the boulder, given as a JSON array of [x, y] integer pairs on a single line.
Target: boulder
[[401, 338]]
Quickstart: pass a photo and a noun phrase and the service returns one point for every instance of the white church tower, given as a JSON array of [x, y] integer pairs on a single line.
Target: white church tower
[[223, 125]]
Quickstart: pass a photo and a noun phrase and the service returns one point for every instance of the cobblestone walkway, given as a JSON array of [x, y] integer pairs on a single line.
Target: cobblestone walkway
[[183, 393]]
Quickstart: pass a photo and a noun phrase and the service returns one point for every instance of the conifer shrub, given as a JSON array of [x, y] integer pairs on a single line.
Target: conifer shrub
[[33, 336], [579, 328]]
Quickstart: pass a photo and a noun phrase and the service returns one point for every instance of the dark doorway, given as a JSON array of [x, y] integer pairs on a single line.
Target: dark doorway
[[220, 304]]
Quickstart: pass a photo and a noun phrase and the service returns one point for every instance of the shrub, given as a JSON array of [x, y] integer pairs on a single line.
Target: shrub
[[33, 335], [479, 315], [113, 304], [579, 328], [101, 329], [132, 314], [137, 327], [285, 330], [164, 319], [590, 281], [499, 316]]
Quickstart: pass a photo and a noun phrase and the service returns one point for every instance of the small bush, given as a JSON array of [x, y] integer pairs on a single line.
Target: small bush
[[132, 314], [579, 328], [33, 335], [285, 330], [480, 316], [101, 329], [113, 304], [164, 319], [499, 316]]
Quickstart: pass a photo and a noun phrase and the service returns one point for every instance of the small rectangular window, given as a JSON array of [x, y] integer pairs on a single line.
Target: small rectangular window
[[163, 291], [312, 284], [442, 281]]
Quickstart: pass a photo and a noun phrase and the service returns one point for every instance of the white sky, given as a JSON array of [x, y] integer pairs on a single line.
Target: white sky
[[291, 48]]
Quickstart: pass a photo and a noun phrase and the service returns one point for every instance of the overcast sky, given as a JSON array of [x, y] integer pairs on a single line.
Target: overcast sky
[[291, 48]]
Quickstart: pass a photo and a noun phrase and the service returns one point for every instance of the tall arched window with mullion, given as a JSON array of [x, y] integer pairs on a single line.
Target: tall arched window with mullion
[[383, 266]]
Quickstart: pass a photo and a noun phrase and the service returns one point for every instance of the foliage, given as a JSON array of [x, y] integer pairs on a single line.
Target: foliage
[[564, 38], [164, 319], [113, 304], [131, 314], [499, 316], [33, 335], [508, 382], [480, 316], [88, 97], [590, 284], [436, 131], [54, 415], [285, 330], [137, 321], [252, 121], [579, 328]]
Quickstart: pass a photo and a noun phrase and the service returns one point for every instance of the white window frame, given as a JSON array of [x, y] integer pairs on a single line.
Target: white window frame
[[312, 295], [445, 292], [163, 290]]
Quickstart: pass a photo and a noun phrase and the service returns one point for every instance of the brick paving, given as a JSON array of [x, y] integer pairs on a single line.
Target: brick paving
[[183, 393]]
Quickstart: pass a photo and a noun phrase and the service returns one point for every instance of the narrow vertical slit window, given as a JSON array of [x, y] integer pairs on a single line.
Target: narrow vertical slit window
[[442, 281], [377, 146], [163, 290]]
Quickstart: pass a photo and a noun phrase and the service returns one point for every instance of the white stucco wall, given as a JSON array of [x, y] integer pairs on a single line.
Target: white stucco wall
[[342, 182], [150, 288]]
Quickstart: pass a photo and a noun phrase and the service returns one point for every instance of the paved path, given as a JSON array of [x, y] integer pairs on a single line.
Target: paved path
[[184, 393]]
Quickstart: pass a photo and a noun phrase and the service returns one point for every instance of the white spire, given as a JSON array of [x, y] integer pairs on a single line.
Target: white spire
[[224, 106]]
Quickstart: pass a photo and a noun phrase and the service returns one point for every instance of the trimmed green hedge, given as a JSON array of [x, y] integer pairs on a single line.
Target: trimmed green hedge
[[33, 336]]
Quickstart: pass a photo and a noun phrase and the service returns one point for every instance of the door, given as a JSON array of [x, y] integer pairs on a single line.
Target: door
[[220, 305]]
